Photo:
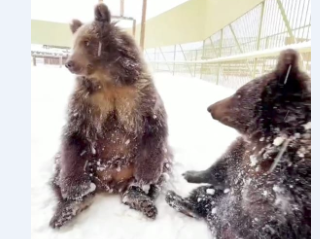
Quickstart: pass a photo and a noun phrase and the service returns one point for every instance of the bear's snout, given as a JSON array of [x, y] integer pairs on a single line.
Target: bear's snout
[[219, 110], [70, 65]]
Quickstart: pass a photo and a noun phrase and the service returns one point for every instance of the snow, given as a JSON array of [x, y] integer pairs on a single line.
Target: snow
[[226, 190], [146, 188], [210, 191], [253, 160], [278, 141], [307, 126], [197, 140]]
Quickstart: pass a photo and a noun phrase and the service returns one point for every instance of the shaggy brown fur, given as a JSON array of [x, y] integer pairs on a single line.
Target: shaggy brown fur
[[116, 136], [261, 187]]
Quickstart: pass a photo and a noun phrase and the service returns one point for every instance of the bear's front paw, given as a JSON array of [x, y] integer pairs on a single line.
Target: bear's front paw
[[192, 176], [77, 189]]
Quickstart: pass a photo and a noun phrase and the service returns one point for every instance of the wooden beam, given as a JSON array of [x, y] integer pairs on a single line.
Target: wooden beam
[[134, 27], [121, 8], [143, 24]]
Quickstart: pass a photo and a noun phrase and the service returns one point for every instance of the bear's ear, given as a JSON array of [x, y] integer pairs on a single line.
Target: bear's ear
[[102, 13], [288, 64], [74, 25]]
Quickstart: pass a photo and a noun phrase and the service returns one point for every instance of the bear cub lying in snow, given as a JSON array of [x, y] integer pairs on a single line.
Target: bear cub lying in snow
[[261, 187], [115, 139]]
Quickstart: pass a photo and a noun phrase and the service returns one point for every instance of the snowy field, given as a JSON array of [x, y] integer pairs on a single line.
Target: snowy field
[[197, 141]]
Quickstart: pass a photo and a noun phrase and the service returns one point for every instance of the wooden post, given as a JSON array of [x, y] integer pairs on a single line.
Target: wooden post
[[34, 61], [143, 24], [174, 59], [121, 8], [134, 27], [60, 61]]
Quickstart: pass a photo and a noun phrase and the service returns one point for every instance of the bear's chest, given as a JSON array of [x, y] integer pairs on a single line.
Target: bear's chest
[[115, 144], [113, 162]]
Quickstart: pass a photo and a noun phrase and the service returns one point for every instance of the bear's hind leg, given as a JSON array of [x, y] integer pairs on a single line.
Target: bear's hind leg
[[181, 205], [68, 209]]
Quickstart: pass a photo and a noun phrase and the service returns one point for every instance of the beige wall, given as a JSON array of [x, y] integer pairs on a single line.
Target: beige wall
[[50, 33], [192, 21], [220, 13], [184, 23]]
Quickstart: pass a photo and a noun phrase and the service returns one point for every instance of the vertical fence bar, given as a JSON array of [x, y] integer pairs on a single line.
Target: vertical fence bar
[[305, 21], [239, 46], [259, 37], [60, 61], [134, 27], [260, 25], [155, 59], [174, 59], [34, 61], [286, 21], [121, 8], [143, 23], [195, 64], [301, 20], [213, 48], [164, 58], [202, 57], [220, 54], [185, 58]]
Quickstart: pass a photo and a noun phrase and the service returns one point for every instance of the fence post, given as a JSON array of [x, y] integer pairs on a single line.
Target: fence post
[[185, 58], [34, 61], [259, 37], [286, 21], [239, 47], [195, 64], [202, 58], [60, 61], [174, 59], [164, 58], [155, 59], [220, 54]]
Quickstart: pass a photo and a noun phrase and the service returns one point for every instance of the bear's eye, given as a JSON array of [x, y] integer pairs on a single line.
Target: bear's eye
[[86, 43], [238, 96]]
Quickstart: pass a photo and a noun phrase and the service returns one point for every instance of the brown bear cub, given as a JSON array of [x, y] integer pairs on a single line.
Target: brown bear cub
[[261, 187], [115, 139]]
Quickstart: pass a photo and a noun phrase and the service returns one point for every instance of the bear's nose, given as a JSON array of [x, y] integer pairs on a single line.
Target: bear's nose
[[70, 65]]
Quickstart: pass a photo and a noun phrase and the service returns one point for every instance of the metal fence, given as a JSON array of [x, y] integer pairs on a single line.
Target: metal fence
[[244, 49]]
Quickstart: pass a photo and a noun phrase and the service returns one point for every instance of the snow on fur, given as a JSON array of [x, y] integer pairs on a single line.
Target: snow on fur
[[186, 101]]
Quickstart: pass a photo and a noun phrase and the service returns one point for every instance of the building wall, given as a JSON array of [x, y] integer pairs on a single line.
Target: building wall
[[50, 33], [220, 13], [184, 23], [191, 21]]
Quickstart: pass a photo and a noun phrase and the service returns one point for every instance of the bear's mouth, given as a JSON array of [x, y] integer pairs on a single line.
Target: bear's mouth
[[82, 71]]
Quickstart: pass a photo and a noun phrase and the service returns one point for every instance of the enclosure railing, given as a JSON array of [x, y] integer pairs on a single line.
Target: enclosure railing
[[245, 48], [233, 71]]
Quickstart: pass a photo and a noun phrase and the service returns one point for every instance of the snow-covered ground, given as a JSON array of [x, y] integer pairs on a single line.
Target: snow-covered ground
[[196, 139]]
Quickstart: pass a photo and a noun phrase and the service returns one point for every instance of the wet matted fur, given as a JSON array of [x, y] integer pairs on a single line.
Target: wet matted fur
[[115, 139], [261, 187]]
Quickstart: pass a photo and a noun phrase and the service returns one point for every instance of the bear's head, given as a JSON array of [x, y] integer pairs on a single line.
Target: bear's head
[[102, 50], [276, 102]]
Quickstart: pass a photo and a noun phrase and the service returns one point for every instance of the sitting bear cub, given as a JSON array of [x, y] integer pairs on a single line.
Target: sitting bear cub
[[261, 187], [115, 139]]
